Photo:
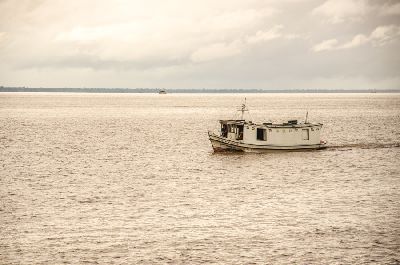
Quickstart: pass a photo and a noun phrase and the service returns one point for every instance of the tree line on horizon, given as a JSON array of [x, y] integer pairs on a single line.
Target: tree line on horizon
[[203, 90]]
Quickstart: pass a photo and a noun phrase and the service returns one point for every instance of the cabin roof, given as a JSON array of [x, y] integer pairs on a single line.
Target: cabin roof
[[232, 121], [283, 125], [271, 125]]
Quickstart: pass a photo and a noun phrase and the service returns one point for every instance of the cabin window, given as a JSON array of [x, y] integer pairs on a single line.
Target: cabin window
[[261, 134], [306, 134]]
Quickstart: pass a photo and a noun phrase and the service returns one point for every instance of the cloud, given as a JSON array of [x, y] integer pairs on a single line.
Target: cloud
[[166, 38], [325, 45], [357, 40], [384, 35], [2, 36], [147, 41], [216, 51], [222, 50], [226, 23], [390, 10], [338, 11], [271, 34], [236, 19], [234, 43], [381, 36]]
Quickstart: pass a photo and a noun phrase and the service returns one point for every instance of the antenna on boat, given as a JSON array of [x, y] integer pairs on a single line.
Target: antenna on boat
[[306, 117], [243, 108]]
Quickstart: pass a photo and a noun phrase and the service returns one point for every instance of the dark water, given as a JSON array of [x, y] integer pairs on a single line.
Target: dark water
[[131, 179]]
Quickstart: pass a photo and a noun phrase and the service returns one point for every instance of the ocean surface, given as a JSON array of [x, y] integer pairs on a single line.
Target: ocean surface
[[132, 179]]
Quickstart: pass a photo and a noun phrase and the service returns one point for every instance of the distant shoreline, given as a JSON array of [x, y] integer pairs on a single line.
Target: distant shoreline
[[189, 91]]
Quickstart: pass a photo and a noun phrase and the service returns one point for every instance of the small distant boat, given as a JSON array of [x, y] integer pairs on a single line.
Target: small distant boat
[[162, 91], [243, 135]]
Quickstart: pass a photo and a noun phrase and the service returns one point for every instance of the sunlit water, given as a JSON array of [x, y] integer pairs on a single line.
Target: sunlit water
[[132, 179]]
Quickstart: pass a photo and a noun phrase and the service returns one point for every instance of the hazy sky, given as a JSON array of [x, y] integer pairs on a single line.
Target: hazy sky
[[269, 44]]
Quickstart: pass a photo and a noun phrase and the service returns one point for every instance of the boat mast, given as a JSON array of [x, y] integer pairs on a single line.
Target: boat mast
[[243, 109]]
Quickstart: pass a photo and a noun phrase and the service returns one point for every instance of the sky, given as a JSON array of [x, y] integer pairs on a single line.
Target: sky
[[255, 44]]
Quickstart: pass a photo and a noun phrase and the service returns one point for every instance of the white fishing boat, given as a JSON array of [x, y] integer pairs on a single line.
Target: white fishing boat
[[243, 135]]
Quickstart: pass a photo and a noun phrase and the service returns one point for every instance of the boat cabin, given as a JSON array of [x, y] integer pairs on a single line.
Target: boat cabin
[[288, 133]]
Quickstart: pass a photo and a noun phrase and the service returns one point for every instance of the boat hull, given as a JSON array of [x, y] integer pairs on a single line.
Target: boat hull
[[221, 144]]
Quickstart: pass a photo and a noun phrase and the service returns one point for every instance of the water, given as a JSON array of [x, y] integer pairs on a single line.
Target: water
[[131, 179]]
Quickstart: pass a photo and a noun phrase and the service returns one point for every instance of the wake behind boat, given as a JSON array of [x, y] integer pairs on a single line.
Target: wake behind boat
[[243, 135]]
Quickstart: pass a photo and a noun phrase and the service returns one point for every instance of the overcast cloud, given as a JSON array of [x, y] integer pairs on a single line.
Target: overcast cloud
[[267, 44]]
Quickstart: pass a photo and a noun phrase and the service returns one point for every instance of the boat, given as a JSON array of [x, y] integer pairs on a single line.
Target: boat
[[162, 91], [244, 135]]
